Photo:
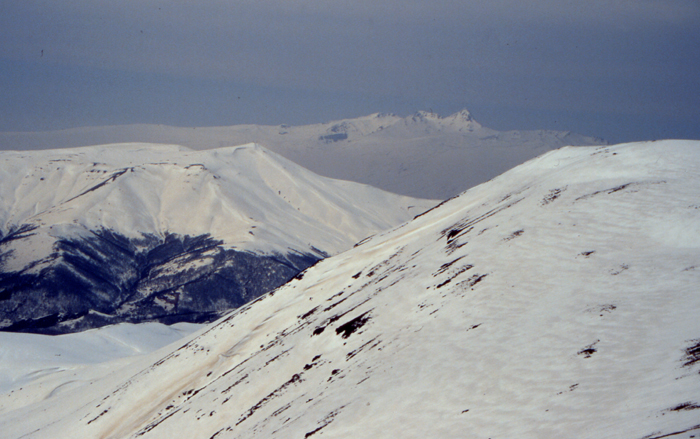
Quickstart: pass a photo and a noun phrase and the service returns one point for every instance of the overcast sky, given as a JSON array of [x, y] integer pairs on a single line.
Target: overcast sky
[[618, 69]]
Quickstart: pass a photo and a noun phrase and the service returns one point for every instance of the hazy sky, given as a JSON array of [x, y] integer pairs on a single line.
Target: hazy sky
[[619, 69]]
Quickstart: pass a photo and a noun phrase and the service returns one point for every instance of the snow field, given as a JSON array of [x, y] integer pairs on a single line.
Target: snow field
[[549, 302]]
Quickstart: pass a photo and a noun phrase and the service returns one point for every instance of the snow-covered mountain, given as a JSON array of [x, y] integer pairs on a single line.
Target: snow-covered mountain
[[422, 155], [558, 300], [132, 232]]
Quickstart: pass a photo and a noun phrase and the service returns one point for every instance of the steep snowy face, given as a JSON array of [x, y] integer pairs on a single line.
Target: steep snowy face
[[558, 300], [421, 155], [94, 235]]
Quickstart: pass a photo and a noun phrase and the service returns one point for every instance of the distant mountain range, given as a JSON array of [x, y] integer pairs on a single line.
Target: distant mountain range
[[140, 232], [558, 300], [422, 155]]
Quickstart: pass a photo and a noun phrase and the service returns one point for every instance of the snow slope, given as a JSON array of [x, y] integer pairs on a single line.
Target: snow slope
[[226, 192], [27, 357], [558, 300], [129, 232], [422, 155]]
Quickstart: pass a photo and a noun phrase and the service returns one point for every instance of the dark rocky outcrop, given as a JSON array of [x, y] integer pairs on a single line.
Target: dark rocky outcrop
[[108, 278]]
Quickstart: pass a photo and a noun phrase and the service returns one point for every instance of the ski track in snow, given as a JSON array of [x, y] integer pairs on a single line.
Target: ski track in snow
[[557, 300]]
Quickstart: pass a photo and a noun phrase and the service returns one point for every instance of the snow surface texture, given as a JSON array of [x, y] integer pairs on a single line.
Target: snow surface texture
[[28, 357], [422, 155], [133, 232], [558, 300]]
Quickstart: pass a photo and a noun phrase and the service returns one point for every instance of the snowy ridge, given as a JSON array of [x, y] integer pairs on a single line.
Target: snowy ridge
[[422, 155], [138, 232], [246, 196], [558, 300]]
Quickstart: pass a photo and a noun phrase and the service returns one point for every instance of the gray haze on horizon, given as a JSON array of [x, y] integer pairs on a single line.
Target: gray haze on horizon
[[620, 69]]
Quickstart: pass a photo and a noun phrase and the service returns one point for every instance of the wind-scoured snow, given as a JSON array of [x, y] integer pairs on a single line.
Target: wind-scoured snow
[[422, 155], [558, 300]]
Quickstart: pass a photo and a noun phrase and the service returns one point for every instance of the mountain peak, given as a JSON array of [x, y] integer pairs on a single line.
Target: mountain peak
[[384, 115], [134, 232], [461, 121], [425, 115], [464, 115]]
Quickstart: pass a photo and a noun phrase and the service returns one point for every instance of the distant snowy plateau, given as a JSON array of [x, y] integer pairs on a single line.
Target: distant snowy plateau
[[141, 232], [423, 155], [559, 300]]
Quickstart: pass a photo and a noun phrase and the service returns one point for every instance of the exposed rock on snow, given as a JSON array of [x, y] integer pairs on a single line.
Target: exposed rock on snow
[[558, 300]]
